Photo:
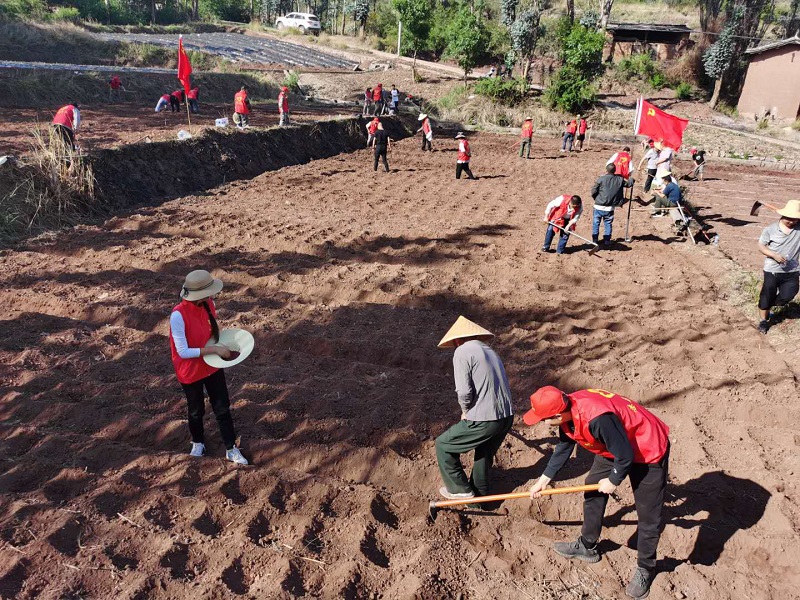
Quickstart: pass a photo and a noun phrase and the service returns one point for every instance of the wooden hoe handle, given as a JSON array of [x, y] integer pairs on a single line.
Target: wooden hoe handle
[[516, 495]]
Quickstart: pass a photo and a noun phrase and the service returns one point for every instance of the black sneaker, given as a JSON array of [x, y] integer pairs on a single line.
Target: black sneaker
[[639, 587], [577, 550], [763, 327]]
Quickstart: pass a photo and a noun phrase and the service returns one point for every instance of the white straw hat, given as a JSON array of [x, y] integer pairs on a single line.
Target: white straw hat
[[200, 284], [238, 340], [791, 210], [463, 328], [422, 117]]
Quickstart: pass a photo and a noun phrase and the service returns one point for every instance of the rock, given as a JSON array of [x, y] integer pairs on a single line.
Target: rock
[[679, 595]]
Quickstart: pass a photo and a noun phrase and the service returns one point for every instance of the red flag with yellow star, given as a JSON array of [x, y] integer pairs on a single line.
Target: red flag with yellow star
[[658, 124]]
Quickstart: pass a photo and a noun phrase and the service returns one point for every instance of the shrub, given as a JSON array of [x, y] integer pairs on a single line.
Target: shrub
[[292, 81], [796, 125], [642, 67], [510, 92], [453, 98], [762, 124], [684, 91], [727, 109], [570, 91], [63, 13]]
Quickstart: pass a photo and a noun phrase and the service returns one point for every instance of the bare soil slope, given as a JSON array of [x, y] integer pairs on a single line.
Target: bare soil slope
[[348, 278]]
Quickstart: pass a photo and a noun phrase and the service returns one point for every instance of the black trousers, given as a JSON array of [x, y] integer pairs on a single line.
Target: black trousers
[[66, 134], [465, 168], [380, 153], [651, 173], [779, 289], [220, 403], [426, 143], [174, 104], [648, 483]]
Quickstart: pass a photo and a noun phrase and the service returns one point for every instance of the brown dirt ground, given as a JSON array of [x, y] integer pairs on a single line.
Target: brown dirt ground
[[348, 278]]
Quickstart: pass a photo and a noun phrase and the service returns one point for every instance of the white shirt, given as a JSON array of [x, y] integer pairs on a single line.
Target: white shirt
[[178, 330], [572, 215], [76, 119], [395, 96], [652, 157], [666, 153], [611, 160]]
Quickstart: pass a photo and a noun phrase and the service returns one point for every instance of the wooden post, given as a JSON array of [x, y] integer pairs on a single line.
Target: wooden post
[[399, 35]]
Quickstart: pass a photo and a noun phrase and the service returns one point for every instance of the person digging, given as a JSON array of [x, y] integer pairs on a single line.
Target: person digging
[[627, 441], [484, 397], [427, 132], [780, 244], [526, 138], [563, 213]]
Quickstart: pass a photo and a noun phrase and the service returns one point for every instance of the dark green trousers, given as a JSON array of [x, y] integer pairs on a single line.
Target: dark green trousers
[[485, 438]]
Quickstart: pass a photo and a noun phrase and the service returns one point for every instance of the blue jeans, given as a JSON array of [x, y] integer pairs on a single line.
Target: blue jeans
[[568, 139], [608, 218], [548, 239]]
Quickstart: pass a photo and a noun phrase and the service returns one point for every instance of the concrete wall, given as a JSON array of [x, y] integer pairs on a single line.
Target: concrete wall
[[772, 84]]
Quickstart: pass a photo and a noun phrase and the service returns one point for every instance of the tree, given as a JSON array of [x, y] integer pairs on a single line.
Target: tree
[[581, 55], [605, 12], [415, 15], [525, 33], [508, 11], [717, 60], [361, 12], [466, 38]]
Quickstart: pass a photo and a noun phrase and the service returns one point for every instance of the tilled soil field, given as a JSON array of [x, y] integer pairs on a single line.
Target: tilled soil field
[[348, 279]]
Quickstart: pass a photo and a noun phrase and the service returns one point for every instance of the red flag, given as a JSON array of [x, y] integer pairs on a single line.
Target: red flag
[[184, 67], [659, 125]]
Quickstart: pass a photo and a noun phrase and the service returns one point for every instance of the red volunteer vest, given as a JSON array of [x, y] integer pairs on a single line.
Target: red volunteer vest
[[372, 127], [198, 332], [582, 127], [377, 94], [623, 164], [559, 214], [192, 94], [179, 94], [527, 131], [115, 83], [65, 116], [466, 154], [283, 102], [165, 97], [572, 127], [239, 104], [647, 434], [426, 126]]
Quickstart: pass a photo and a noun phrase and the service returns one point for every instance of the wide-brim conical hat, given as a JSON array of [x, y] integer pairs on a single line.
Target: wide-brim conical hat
[[791, 210], [464, 328], [238, 340]]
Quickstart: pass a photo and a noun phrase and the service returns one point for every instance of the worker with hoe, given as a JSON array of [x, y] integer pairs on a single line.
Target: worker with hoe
[[463, 157], [608, 193], [65, 123], [484, 397], [377, 99], [562, 212], [780, 244], [175, 100], [569, 135], [526, 137], [193, 97], [283, 106], [427, 132], [114, 88], [241, 108], [192, 324], [627, 441]]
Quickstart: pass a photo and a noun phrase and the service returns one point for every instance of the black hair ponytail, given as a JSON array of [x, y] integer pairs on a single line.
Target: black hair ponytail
[[214, 326]]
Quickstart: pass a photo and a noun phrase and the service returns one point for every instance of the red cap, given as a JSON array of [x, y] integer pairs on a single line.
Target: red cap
[[693, 150], [285, 89], [546, 402]]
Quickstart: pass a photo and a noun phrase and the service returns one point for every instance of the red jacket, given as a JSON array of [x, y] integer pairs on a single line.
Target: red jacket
[[527, 130], [465, 154], [283, 102], [198, 332], [582, 126], [192, 94], [372, 127], [572, 126], [559, 214], [240, 103], [115, 82], [179, 94], [377, 93], [65, 116], [647, 434], [623, 164]]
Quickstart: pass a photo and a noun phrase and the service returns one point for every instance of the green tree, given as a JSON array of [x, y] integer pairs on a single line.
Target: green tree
[[581, 54], [525, 33], [717, 60], [415, 15], [466, 39], [361, 12], [508, 12]]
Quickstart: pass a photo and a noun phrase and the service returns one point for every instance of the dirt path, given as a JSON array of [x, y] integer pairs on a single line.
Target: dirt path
[[348, 278]]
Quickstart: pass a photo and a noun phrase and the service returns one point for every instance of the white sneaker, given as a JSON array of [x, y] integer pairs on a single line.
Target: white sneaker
[[457, 496], [198, 449], [234, 455]]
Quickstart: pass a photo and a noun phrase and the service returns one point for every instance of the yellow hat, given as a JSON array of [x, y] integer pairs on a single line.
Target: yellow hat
[[791, 210], [463, 328]]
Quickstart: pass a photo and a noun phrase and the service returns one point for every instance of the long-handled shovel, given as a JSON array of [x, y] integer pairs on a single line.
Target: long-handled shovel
[[434, 506], [595, 247], [757, 206]]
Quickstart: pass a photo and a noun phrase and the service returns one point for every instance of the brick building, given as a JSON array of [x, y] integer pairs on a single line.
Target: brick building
[[772, 84], [663, 42]]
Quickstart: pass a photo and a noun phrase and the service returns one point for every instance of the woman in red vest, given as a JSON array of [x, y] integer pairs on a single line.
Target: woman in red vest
[[241, 108], [562, 212], [628, 441], [65, 122], [464, 156], [193, 324]]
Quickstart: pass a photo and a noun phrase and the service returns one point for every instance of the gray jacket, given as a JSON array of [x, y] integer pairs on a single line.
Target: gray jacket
[[608, 190], [481, 382]]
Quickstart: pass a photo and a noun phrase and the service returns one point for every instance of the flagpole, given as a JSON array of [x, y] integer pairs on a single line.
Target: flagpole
[[630, 200]]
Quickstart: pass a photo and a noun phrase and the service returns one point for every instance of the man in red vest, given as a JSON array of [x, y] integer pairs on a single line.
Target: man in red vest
[[65, 123], [241, 108], [464, 156], [114, 87], [283, 106], [628, 441], [564, 212], [377, 98], [175, 100], [622, 162], [582, 126], [526, 137], [192, 97], [569, 135]]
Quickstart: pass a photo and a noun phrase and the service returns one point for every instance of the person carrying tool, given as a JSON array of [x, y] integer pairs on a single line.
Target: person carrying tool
[[526, 137], [371, 129], [582, 126], [377, 99], [608, 193], [627, 441], [163, 102], [427, 132], [115, 88], [651, 156], [283, 106], [193, 97], [780, 244], [241, 108], [668, 197], [699, 160], [463, 157], [622, 162], [382, 142], [570, 127], [192, 324], [563, 212], [65, 123], [484, 397]]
